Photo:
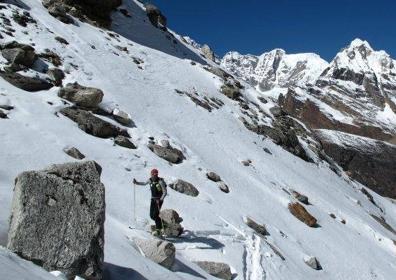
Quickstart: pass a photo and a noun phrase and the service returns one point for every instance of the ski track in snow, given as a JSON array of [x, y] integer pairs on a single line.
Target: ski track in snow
[[253, 259]]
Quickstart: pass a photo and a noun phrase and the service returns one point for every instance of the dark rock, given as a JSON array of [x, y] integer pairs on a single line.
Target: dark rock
[[59, 12], [171, 221], [170, 154], [300, 197], [260, 229], [302, 214], [7, 107], [155, 16], [267, 151], [61, 40], [51, 57], [122, 117], [56, 75], [246, 162], [91, 124], [3, 115], [312, 262], [20, 54], [26, 83], [231, 91], [57, 219], [159, 251], [124, 142], [87, 97], [74, 153], [184, 187], [213, 176], [383, 223], [223, 187], [216, 269]]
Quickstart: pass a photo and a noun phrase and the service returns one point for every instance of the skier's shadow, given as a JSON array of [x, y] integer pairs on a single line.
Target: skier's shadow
[[115, 272], [190, 237]]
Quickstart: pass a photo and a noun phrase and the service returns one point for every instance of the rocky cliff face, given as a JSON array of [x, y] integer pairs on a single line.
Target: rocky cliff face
[[355, 93]]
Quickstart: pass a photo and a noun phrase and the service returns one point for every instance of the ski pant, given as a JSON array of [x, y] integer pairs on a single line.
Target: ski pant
[[155, 208]]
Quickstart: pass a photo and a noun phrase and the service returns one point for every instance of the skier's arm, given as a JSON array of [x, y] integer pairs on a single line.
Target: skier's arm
[[163, 187], [141, 183]]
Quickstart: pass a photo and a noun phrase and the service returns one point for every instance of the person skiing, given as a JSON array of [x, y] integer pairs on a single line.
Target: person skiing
[[158, 193]]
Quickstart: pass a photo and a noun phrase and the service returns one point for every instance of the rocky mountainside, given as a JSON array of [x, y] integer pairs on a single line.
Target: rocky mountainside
[[354, 93], [92, 96]]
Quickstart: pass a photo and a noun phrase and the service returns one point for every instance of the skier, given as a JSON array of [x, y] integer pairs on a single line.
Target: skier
[[158, 193]]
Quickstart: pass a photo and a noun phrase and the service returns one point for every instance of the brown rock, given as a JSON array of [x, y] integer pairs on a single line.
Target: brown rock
[[302, 214]]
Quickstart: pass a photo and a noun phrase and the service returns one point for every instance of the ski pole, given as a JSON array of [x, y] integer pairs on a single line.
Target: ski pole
[[134, 203]]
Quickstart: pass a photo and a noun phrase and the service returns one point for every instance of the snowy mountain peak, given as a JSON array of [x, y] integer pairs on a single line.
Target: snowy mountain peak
[[358, 43]]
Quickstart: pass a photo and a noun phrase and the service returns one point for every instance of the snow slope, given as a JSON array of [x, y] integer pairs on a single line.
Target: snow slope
[[33, 137]]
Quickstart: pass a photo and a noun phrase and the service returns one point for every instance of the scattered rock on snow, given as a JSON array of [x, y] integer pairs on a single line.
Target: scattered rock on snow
[[223, 187], [159, 251], [213, 177], [91, 124], [122, 117], [58, 12], [61, 40], [312, 262], [302, 214], [300, 197], [87, 97], [170, 154], [57, 218], [171, 220], [155, 16], [3, 115], [16, 53], [230, 90], [56, 75], [381, 220], [216, 269], [124, 142], [246, 162], [184, 187], [73, 152], [31, 84], [260, 229]]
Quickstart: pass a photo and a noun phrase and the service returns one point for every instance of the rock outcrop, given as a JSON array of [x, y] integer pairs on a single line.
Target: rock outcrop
[[57, 219], [155, 16], [302, 214], [184, 187], [18, 54], [159, 251], [91, 124], [208, 52], [31, 84], [82, 96], [216, 269]]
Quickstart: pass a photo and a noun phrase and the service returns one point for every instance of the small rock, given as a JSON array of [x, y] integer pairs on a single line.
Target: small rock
[[61, 40], [333, 216], [302, 214], [88, 97], [312, 262], [159, 251], [73, 152], [122, 117], [213, 177], [124, 142], [7, 107], [184, 187], [30, 84], [246, 162], [302, 198], [3, 115], [56, 75], [260, 229], [267, 151], [223, 187], [216, 269]]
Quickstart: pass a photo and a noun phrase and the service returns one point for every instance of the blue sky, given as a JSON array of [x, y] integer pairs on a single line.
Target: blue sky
[[256, 26]]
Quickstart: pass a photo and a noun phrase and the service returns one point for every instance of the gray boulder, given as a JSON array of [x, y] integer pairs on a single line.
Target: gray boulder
[[171, 221], [312, 262], [216, 269], [184, 187], [124, 142], [88, 97], [155, 16], [56, 75], [91, 124], [213, 176], [16, 53], [260, 229], [122, 117], [31, 84], [73, 152], [57, 219], [170, 154], [223, 187], [159, 251]]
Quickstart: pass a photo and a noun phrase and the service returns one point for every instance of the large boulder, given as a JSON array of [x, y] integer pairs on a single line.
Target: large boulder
[[171, 221], [184, 187], [57, 219], [31, 84], [159, 251], [302, 214], [170, 154], [91, 124], [88, 97], [155, 16], [216, 269], [16, 53]]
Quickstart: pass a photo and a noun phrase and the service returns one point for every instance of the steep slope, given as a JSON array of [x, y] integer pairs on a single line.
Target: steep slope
[[140, 78], [275, 68]]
